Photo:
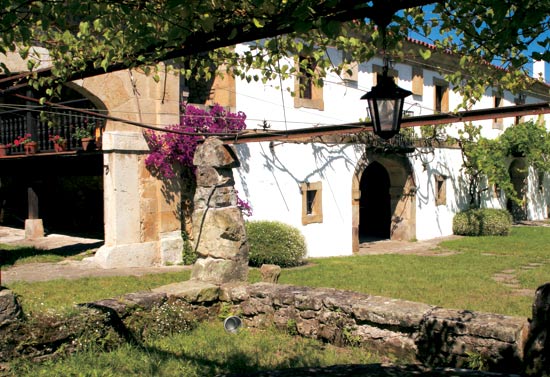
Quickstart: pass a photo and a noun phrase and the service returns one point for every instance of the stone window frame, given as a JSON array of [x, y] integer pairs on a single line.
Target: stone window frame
[[440, 190], [498, 101], [316, 101], [350, 69], [312, 202], [441, 96], [417, 81]]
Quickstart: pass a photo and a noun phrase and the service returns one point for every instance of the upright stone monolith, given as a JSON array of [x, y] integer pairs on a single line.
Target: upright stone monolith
[[218, 224]]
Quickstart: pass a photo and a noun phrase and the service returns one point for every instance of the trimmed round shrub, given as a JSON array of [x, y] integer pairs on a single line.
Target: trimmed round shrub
[[273, 242], [482, 222]]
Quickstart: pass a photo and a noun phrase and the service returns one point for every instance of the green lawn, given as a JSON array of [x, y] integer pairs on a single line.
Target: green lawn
[[463, 280], [205, 351]]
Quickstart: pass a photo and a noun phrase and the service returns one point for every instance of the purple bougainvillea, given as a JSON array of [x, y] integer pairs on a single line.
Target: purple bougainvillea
[[171, 149]]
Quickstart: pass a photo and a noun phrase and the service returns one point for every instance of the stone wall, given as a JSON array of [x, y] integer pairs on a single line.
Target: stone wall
[[413, 332], [410, 330]]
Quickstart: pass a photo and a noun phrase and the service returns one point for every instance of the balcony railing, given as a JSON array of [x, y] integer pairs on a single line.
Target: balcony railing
[[17, 123]]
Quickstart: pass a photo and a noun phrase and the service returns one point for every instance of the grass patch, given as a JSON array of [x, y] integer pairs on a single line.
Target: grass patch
[[11, 255], [463, 280], [61, 295], [205, 351]]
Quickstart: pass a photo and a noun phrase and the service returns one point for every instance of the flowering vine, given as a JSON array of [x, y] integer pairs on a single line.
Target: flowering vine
[[171, 150]]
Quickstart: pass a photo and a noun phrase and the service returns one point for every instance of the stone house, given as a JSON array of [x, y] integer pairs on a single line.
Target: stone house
[[337, 191]]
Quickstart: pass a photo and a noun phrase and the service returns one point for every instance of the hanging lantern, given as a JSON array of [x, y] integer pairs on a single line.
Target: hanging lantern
[[385, 102]]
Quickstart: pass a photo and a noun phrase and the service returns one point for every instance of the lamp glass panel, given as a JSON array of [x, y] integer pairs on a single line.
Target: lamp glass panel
[[386, 111]]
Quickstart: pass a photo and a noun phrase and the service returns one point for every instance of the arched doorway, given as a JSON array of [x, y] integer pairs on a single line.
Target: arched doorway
[[375, 203], [383, 199]]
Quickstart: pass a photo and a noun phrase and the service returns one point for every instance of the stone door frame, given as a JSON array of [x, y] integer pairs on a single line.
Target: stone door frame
[[402, 195]]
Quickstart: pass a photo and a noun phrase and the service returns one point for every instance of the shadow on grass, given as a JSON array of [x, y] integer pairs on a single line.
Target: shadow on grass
[[9, 255]]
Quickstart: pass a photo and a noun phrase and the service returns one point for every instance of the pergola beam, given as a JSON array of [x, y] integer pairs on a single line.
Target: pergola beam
[[417, 121]]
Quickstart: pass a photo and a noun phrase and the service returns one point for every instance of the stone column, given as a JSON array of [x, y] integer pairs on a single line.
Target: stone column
[[218, 225], [124, 243]]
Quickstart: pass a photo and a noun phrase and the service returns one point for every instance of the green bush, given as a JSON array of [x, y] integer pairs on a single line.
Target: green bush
[[482, 222], [272, 242]]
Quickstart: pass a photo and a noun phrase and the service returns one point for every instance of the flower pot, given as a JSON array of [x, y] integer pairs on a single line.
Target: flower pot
[[60, 147], [87, 143], [31, 147], [4, 150]]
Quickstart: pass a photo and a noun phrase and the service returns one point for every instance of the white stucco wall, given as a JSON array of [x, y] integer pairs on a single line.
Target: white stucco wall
[[270, 177], [270, 180]]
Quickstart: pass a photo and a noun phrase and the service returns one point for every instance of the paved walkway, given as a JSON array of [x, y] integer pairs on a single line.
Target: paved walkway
[[67, 269], [427, 247]]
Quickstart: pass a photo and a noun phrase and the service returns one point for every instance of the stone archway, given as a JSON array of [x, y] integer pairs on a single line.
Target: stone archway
[[518, 176], [383, 199]]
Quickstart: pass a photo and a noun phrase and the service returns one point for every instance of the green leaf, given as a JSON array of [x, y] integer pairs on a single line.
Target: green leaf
[[259, 24], [425, 53]]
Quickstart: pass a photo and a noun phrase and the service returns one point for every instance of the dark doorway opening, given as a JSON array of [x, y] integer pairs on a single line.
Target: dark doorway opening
[[69, 191], [375, 204]]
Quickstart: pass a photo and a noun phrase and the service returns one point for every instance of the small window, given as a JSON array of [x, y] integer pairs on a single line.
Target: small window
[[441, 97], [417, 81], [379, 71], [306, 68], [497, 102], [350, 70], [440, 190], [312, 209], [307, 94]]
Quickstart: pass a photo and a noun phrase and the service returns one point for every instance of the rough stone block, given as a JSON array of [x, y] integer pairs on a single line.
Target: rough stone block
[[191, 291], [34, 228], [171, 246], [208, 176], [387, 311], [270, 273], [219, 197], [10, 311], [220, 233], [129, 255], [214, 153], [219, 271]]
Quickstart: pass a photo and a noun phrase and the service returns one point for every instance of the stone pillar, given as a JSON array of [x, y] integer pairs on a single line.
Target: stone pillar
[[34, 228], [218, 225], [124, 243]]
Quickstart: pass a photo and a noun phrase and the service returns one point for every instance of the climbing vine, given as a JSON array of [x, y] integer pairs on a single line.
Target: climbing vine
[[486, 161]]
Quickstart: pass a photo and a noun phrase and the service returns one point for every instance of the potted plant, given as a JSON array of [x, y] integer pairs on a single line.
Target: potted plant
[[5, 149], [84, 134], [30, 146], [59, 143]]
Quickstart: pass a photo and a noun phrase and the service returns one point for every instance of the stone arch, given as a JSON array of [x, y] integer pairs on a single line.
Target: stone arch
[[518, 175], [401, 191]]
